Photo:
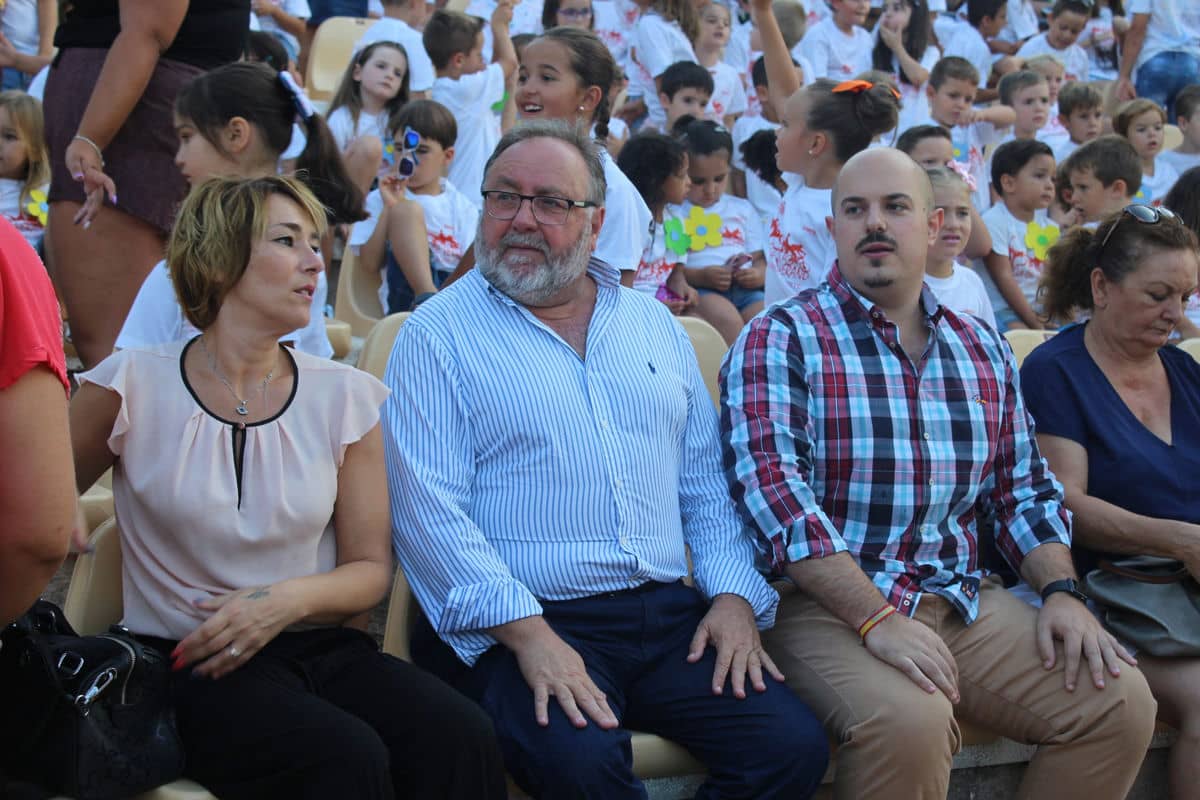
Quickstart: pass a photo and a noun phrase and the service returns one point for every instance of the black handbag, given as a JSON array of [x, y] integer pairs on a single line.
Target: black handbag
[[85, 716]]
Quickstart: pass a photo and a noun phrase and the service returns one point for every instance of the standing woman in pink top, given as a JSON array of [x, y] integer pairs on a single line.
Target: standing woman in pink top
[[249, 486]]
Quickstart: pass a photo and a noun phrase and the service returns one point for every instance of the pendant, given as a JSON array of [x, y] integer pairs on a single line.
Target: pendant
[[242, 410]]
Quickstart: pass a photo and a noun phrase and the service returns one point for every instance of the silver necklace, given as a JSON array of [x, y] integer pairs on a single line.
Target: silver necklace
[[241, 406]]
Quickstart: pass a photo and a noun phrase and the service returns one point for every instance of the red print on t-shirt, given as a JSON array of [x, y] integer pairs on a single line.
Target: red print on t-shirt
[[732, 235], [789, 255]]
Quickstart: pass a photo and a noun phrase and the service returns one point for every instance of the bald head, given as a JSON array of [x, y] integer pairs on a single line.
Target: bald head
[[878, 162]]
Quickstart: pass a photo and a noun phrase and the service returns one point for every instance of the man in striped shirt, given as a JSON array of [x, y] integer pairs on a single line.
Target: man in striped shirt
[[552, 458], [877, 442]]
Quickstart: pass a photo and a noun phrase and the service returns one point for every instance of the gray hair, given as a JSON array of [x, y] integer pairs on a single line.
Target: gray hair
[[574, 135]]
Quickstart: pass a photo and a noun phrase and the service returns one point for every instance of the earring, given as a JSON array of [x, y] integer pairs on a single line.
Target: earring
[[581, 108]]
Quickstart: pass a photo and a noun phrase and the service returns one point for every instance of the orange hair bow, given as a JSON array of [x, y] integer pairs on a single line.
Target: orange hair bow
[[859, 86]]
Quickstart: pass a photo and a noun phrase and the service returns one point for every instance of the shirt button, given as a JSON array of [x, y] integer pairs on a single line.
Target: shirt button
[[925, 435], [623, 540], [603, 425], [931, 481], [618, 483]]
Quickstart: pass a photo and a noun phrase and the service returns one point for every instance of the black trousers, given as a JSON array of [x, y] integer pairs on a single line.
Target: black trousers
[[323, 714]]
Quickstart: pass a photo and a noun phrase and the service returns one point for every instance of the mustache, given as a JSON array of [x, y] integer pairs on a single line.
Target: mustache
[[878, 237], [531, 240]]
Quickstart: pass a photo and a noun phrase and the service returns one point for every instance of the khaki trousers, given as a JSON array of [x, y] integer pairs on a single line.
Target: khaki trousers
[[896, 741]]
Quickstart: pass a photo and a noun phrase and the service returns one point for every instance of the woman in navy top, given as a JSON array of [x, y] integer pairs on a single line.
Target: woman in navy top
[[1118, 419]]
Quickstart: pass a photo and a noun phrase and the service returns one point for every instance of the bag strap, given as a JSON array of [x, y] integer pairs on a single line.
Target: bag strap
[[1180, 574]]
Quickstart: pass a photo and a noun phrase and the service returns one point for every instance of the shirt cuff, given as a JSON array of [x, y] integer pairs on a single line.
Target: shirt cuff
[[485, 605], [746, 583]]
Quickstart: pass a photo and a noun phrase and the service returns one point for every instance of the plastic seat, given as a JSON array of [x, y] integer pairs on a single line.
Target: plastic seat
[[339, 335], [378, 347], [93, 603], [329, 54], [710, 350], [357, 296], [1191, 347], [1023, 341]]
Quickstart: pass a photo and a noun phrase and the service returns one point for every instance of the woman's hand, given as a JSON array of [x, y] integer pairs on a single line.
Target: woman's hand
[[243, 623], [86, 167]]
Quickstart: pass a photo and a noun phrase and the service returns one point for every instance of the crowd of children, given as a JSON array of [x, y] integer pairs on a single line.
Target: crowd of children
[[725, 128]]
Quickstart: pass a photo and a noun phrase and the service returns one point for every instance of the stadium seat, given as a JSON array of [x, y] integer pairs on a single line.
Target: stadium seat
[[710, 350], [1023, 341], [93, 603], [329, 53], [357, 296], [378, 346]]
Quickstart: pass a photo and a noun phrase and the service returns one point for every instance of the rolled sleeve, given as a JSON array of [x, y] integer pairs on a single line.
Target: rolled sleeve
[[457, 576], [767, 440], [1027, 498]]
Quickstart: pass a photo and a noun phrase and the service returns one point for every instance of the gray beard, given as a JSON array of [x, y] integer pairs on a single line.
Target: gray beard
[[533, 285]]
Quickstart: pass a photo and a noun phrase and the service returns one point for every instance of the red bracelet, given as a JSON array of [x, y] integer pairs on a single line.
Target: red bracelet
[[885, 611]]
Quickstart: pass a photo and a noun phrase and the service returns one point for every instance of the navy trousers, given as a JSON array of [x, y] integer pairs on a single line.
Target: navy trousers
[[635, 646]]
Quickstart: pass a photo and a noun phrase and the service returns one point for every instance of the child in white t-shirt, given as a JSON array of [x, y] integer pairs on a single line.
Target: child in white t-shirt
[[952, 91], [957, 287], [1067, 20], [285, 20], [1141, 121], [24, 166], [1022, 231], [474, 93], [1081, 112], [728, 99], [1187, 117], [374, 86], [1020, 25], [662, 37], [725, 242], [382, 240], [1052, 69], [902, 45], [969, 40], [838, 47]]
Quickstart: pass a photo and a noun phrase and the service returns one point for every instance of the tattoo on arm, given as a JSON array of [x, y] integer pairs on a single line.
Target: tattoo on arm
[[258, 594]]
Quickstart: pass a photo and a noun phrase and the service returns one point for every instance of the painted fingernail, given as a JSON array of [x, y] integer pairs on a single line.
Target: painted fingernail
[[87, 224], [177, 665], [78, 176], [175, 653], [114, 199]]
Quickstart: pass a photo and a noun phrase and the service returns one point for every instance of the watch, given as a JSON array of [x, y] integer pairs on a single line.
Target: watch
[[1067, 585]]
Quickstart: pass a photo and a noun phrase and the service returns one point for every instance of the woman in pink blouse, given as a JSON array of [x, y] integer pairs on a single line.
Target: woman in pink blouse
[[249, 486]]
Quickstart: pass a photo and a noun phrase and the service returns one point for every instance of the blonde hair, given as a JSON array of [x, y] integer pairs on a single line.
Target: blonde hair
[[1043, 63], [26, 115], [215, 231]]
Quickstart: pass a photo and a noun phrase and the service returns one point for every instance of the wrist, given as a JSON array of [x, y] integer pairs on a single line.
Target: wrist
[[873, 621], [1064, 586]]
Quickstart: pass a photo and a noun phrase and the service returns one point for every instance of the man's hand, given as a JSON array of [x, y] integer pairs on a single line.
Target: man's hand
[[1125, 90], [553, 668], [729, 627], [916, 651], [1064, 618]]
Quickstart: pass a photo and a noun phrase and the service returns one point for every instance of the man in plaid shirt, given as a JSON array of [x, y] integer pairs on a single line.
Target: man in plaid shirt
[[876, 442]]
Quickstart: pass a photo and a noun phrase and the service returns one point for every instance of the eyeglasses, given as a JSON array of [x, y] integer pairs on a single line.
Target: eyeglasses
[[546, 209], [575, 13], [1147, 215]]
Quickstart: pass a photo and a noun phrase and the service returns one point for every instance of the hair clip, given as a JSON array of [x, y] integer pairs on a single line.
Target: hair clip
[[859, 86], [303, 106], [961, 170]]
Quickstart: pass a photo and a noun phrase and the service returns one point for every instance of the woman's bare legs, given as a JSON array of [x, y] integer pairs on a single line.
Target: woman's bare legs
[[716, 310], [1175, 684], [98, 272]]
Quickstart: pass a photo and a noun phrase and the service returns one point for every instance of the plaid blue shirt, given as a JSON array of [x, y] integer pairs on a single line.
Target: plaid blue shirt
[[834, 440]]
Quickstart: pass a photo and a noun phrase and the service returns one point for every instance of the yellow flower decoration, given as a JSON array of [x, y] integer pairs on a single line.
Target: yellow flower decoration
[[37, 207], [703, 228], [1039, 238]]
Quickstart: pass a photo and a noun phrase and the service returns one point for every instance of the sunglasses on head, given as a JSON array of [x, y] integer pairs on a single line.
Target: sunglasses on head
[[1147, 215]]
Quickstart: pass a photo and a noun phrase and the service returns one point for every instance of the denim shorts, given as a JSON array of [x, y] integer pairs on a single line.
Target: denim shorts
[[740, 297]]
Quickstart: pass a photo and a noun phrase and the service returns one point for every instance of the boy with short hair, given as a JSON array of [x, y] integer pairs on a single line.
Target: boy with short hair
[[985, 19], [1104, 175], [1028, 95], [1050, 68], [450, 217], [952, 91], [1081, 112], [685, 87], [470, 89], [1067, 19], [1021, 229], [1187, 117]]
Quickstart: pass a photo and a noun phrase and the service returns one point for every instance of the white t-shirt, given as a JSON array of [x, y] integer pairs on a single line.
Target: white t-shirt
[[1180, 162], [1024, 245], [344, 131], [656, 261], [729, 96], [763, 196], [294, 8], [740, 226], [800, 250], [420, 69], [156, 317], [966, 42], [625, 234], [963, 293], [470, 100], [611, 22], [31, 225], [914, 102], [967, 142], [1022, 21], [1074, 58], [657, 44], [834, 54], [20, 25], [1174, 26], [1155, 187], [1099, 41], [1062, 147]]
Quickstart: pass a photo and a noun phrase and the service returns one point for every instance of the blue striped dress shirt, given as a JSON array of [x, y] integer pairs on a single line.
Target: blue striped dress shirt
[[520, 472]]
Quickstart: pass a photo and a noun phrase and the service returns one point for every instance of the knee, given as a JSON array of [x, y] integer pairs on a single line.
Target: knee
[[798, 749], [1131, 711], [569, 763], [930, 735]]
